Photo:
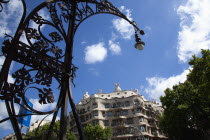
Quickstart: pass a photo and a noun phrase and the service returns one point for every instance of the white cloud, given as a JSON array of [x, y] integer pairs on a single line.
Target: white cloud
[[157, 85], [195, 29], [114, 36], [122, 26], [10, 17], [83, 42], [10, 79], [42, 107], [94, 71], [114, 47], [95, 53]]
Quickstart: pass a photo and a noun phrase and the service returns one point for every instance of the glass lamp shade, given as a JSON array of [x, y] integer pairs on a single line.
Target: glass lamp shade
[[139, 45]]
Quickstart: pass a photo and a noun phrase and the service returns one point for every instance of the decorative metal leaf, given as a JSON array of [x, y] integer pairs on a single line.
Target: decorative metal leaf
[[23, 77], [32, 33], [73, 73], [56, 51], [38, 19], [44, 78], [53, 13], [55, 37], [6, 46], [46, 96], [65, 16], [41, 46], [8, 93]]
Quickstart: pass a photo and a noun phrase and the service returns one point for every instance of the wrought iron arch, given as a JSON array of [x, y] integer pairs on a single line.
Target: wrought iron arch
[[104, 7], [43, 61]]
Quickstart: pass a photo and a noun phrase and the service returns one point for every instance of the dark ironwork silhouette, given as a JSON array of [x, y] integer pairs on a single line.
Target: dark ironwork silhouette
[[46, 56]]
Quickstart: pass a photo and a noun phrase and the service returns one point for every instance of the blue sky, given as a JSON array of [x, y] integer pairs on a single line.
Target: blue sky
[[105, 54]]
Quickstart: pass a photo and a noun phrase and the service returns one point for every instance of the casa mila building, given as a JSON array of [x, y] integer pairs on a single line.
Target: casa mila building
[[127, 112]]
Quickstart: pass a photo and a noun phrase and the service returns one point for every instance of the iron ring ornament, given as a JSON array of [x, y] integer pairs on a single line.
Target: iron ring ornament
[[43, 58]]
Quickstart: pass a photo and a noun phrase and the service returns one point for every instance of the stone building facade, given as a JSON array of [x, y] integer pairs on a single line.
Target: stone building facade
[[127, 112], [37, 124]]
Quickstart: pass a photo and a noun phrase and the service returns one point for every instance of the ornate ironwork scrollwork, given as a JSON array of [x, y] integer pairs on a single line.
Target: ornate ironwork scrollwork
[[42, 56]]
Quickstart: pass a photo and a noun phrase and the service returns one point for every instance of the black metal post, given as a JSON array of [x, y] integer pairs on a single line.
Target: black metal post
[[76, 117], [67, 77]]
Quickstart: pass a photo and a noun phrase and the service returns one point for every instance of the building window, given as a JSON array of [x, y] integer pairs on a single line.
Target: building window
[[95, 113], [116, 122], [136, 102], [129, 121], [149, 114], [106, 123], [138, 110], [109, 114], [114, 105], [82, 111], [125, 112], [87, 117], [95, 122], [129, 130], [141, 119], [127, 103], [118, 113], [107, 105], [82, 118], [88, 108], [142, 129], [95, 105], [119, 104], [103, 113]]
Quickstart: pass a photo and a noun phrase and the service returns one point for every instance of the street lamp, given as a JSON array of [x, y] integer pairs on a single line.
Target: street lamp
[[42, 60], [139, 44]]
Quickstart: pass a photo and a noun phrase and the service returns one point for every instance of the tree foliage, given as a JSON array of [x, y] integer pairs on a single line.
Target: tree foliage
[[43, 130], [187, 105], [97, 132]]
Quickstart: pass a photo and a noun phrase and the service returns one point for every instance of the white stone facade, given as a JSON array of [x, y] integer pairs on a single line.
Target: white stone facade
[[36, 124], [127, 112]]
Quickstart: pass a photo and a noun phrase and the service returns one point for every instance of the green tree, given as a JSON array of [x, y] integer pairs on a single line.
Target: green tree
[[71, 136], [43, 130], [187, 105], [97, 132]]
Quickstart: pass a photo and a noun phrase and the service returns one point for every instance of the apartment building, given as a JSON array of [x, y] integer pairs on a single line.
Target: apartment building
[[37, 124], [129, 114]]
